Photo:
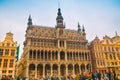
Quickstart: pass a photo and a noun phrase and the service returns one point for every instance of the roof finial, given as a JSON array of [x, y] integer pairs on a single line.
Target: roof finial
[[29, 20], [116, 33], [83, 28]]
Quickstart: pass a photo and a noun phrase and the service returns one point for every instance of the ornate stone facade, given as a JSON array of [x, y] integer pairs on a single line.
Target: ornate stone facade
[[8, 49], [106, 54], [54, 52]]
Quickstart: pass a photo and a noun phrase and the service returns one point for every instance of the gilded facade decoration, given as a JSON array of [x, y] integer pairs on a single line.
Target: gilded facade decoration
[[106, 54], [8, 49]]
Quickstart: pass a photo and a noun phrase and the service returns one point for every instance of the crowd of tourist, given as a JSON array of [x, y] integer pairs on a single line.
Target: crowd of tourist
[[87, 76], [83, 76], [97, 76]]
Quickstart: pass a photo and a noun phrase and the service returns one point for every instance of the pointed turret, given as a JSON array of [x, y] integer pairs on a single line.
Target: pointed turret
[[79, 29], [29, 20], [59, 19], [83, 30]]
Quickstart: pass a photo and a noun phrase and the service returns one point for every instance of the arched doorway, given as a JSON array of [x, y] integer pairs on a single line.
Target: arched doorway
[[32, 71], [88, 67], [47, 70], [40, 70], [70, 69], [62, 70], [83, 67], [76, 68], [55, 70]]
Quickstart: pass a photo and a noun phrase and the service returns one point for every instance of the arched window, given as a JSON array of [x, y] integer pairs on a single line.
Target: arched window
[[62, 55]]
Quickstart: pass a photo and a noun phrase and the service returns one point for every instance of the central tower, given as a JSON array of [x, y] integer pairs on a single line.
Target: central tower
[[59, 19]]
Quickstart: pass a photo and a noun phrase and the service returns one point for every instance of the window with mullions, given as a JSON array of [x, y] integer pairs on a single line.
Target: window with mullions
[[1, 52], [11, 63], [6, 52], [12, 52], [5, 63], [4, 71], [10, 71]]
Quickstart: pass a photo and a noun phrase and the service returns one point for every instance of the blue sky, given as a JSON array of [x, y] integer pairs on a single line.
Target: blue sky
[[100, 17]]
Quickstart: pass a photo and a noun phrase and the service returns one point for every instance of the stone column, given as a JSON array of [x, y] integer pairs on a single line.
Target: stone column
[[43, 55], [81, 58], [73, 70], [40, 55], [72, 55], [35, 71], [66, 56], [58, 55], [51, 69], [59, 71], [36, 55], [78, 56], [75, 56], [43, 70], [58, 50], [85, 68], [66, 71], [80, 69], [51, 55]]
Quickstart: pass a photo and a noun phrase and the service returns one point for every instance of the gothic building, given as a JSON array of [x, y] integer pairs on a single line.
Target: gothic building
[[54, 51]]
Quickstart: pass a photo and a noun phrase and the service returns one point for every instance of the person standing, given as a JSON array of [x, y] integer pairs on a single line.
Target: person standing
[[93, 77], [108, 75], [98, 76], [114, 75]]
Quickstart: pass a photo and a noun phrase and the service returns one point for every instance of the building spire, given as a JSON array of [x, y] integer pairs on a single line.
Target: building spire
[[79, 29], [29, 20], [59, 19], [83, 30], [59, 12]]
